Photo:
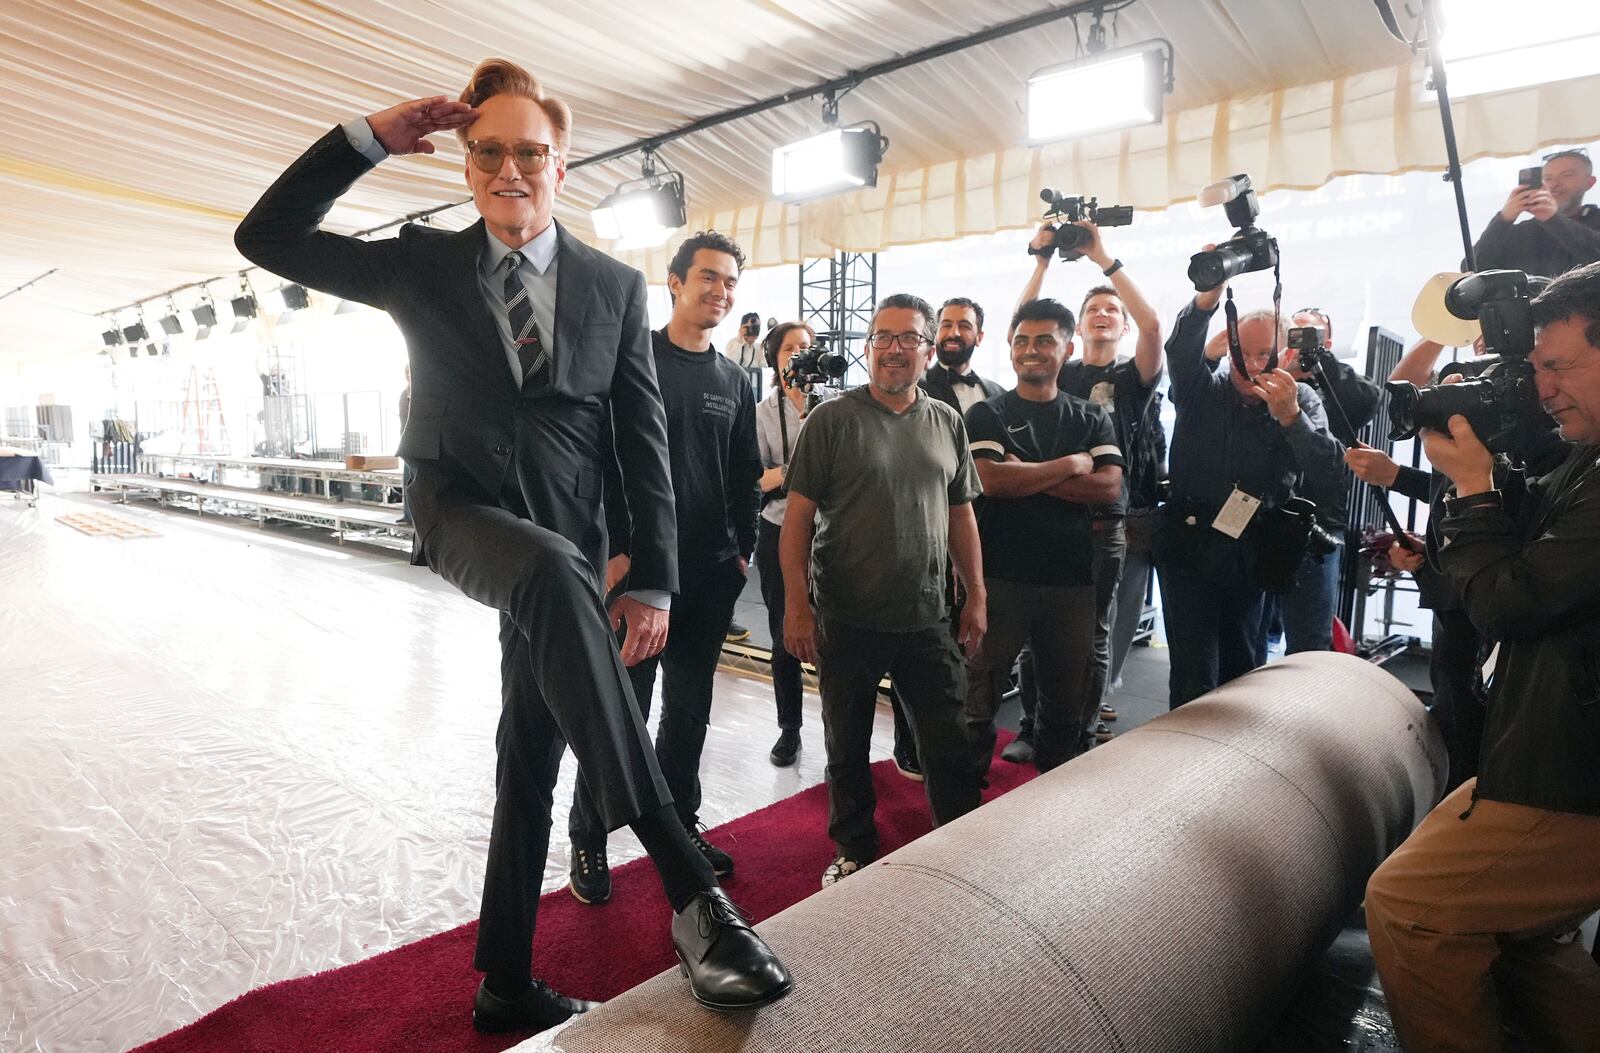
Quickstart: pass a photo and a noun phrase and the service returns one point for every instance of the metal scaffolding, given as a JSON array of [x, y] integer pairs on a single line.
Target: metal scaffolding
[[837, 296]]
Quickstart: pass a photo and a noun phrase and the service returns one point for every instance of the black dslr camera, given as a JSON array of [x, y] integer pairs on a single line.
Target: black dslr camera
[[1499, 397], [1070, 240], [1250, 248], [815, 365]]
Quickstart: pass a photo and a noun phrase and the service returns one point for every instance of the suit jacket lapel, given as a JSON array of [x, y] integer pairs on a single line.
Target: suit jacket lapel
[[575, 273], [460, 270]]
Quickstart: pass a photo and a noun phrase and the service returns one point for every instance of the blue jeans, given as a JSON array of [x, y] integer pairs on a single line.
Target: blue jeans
[[1308, 607]]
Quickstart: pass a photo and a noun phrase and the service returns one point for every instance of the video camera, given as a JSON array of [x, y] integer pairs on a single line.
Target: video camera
[[1250, 248], [1499, 397], [817, 364], [1314, 355], [1070, 240]]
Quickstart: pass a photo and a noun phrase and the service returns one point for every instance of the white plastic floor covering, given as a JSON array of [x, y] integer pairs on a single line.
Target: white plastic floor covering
[[231, 756]]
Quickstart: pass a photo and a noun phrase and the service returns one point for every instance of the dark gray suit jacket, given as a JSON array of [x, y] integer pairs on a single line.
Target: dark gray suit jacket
[[473, 436]]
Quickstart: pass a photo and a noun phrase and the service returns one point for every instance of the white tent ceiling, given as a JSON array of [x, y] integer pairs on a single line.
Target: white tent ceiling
[[140, 132]]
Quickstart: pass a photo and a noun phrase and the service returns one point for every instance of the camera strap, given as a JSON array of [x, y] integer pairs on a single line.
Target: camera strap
[[1235, 351]]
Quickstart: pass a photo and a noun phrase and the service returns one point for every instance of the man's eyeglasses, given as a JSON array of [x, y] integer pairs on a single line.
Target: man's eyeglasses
[[1581, 151], [907, 341], [489, 156]]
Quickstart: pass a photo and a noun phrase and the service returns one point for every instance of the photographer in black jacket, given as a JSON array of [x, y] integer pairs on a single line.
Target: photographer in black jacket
[[1472, 918]]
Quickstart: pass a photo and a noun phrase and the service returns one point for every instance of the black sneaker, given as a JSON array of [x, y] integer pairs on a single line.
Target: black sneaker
[[737, 633], [1107, 713], [840, 869], [721, 862], [906, 761], [1103, 733], [590, 880], [786, 748]]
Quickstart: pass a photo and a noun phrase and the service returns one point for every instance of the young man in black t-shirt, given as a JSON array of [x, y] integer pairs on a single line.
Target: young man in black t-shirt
[[715, 462], [1126, 388], [1046, 459]]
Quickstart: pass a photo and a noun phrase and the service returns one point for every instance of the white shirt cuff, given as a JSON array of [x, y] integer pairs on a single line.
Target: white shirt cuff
[[660, 599], [359, 134]]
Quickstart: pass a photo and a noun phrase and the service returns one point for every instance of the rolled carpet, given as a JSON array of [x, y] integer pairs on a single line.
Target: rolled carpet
[[1164, 892]]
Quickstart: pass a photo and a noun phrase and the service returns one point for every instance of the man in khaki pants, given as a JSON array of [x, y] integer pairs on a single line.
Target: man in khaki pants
[[1472, 919]]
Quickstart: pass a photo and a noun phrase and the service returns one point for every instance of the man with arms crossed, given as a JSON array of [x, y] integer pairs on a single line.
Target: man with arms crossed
[[1046, 460]]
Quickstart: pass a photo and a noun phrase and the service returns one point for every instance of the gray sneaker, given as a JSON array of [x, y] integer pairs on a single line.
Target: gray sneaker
[[1019, 750]]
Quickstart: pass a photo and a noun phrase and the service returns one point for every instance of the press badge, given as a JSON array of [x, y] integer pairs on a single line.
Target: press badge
[[1237, 513]]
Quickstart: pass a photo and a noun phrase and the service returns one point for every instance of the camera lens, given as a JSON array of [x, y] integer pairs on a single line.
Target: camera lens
[[1403, 399], [1071, 238], [1207, 270]]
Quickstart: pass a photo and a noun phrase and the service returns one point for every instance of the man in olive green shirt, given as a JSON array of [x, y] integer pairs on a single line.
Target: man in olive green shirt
[[880, 490]]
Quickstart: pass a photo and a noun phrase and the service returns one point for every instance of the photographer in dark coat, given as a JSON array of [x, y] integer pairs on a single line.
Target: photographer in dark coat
[[1241, 441], [1472, 918]]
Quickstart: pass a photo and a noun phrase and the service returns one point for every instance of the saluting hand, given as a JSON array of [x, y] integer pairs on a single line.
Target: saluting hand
[[404, 129]]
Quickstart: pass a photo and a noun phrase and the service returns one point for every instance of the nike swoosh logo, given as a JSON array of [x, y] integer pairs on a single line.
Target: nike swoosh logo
[[1023, 427]]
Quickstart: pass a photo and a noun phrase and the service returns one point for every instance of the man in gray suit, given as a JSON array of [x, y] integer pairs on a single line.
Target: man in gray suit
[[524, 345]]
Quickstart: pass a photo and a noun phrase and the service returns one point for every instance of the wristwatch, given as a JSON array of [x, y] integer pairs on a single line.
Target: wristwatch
[[1116, 265]]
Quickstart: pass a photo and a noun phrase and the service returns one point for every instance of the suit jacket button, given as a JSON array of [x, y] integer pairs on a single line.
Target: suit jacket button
[[502, 450]]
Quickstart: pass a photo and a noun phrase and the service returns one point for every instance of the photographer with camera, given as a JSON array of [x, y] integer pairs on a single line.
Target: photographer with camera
[[1471, 918], [744, 350], [1561, 233], [779, 417], [1126, 388], [1307, 608], [880, 492], [1243, 438]]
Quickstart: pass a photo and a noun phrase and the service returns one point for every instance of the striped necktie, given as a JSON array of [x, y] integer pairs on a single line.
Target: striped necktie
[[531, 354]]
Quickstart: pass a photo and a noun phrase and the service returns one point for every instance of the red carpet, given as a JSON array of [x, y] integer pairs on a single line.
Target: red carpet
[[419, 997]]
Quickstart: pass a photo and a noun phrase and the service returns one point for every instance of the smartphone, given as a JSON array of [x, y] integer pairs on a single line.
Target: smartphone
[[1532, 178]]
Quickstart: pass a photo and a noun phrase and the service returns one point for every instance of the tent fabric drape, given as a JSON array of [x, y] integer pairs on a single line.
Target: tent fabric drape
[[140, 131]]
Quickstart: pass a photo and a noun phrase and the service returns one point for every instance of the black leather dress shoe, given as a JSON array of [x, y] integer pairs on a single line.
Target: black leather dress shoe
[[786, 748], [539, 1009], [728, 966]]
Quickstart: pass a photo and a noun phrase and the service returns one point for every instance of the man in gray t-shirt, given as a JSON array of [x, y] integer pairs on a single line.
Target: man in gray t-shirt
[[880, 490]]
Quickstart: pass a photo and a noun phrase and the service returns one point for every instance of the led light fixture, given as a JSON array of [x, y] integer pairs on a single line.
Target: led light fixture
[[205, 315], [837, 160], [295, 297], [1104, 92], [643, 212], [134, 333], [244, 306], [1487, 49], [111, 337]]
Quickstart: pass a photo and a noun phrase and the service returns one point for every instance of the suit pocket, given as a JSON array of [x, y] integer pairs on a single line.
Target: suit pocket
[[420, 440], [588, 484], [424, 407]]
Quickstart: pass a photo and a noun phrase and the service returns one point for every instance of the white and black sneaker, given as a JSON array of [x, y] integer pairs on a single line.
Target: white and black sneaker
[[838, 870]]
